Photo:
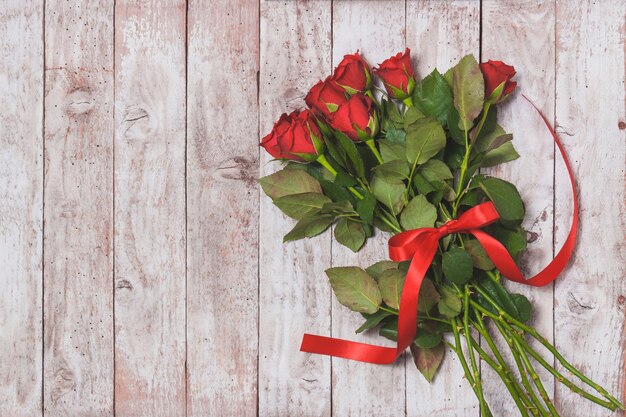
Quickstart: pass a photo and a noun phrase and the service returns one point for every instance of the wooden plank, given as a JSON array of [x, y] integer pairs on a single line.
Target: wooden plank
[[376, 28], [295, 51], [21, 207], [590, 294], [78, 252], [510, 35], [222, 225], [439, 34], [150, 208]]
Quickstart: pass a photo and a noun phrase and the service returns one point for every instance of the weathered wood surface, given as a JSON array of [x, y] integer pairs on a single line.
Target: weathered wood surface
[[143, 274]]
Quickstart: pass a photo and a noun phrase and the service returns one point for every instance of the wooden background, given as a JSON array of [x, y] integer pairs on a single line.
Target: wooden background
[[141, 271]]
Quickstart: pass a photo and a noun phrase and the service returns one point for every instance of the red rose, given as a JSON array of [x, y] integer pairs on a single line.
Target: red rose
[[325, 97], [397, 75], [497, 73], [294, 136], [356, 118], [353, 74]]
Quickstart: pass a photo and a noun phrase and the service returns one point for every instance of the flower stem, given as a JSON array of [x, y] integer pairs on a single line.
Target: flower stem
[[370, 144], [466, 332]]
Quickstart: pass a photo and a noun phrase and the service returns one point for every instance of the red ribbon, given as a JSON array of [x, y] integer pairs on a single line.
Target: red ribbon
[[420, 245]]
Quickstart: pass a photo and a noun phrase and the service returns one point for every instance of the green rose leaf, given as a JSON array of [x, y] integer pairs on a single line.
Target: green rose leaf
[[505, 197], [365, 208], [373, 320], [435, 170], [411, 116], [450, 305], [428, 296], [524, 307], [394, 135], [391, 283], [350, 234], [433, 96], [391, 151], [393, 170], [309, 227], [480, 259], [428, 361], [339, 207], [424, 140], [418, 213], [355, 289], [468, 86], [298, 206], [389, 192], [513, 240], [288, 182], [376, 270], [426, 339], [486, 140], [457, 266], [500, 155]]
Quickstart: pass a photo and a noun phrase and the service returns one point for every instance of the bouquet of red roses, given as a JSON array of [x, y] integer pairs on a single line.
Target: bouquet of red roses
[[405, 159]]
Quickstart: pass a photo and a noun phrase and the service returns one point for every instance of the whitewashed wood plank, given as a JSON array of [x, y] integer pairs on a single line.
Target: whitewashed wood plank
[[295, 51], [150, 208], [439, 34], [21, 207], [510, 34], [590, 294], [222, 225], [376, 28], [78, 234]]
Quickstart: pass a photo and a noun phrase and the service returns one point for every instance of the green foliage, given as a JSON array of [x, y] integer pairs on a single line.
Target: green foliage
[[505, 197], [350, 233], [457, 265], [418, 213], [424, 139], [355, 289], [469, 91], [433, 96]]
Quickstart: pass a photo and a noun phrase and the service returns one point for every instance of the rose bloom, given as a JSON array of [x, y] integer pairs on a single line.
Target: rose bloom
[[353, 74], [397, 75], [325, 97], [496, 73], [356, 118], [293, 137]]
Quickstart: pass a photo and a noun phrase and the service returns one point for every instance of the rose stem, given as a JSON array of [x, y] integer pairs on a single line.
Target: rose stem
[[504, 317], [482, 329], [370, 144], [481, 398]]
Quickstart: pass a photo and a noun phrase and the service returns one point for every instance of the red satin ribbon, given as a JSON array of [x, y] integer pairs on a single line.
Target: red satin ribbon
[[420, 245]]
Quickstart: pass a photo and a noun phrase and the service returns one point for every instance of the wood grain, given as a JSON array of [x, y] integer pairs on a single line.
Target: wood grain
[[377, 30], [512, 37], [440, 34], [150, 208], [590, 114], [78, 234], [222, 166], [294, 294], [21, 204]]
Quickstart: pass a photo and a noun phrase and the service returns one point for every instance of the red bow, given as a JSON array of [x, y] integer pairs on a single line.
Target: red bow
[[420, 245]]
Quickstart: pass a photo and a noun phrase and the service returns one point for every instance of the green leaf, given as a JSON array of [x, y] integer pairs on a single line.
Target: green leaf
[[373, 320], [500, 295], [395, 135], [339, 207], [376, 270], [426, 339], [433, 96], [298, 206], [486, 140], [513, 240], [411, 116], [428, 296], [524, 307], [365, 208], [450, 305], [435, 170], [480, 259], [424, 140], [309, 227], [393, 170], [288, 182], [505, 197], [428, 361], [355, 289], [500, 155], [418, 213], [468, 86], [457, 265], [390, 330], [352, 152], [391, 283], [350, 234], [421, 184], [391, 151], [390, 193]]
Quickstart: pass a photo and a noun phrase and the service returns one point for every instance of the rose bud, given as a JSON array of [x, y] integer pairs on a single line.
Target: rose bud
[[295, 137], [498, 84], [397, 75], [325, 97], [353, 74], [356, 118]]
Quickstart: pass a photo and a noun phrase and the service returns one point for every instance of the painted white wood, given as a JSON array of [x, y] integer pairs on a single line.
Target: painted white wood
[[21, 207], [222, 207], [150, 208], [78, 213], [512, 37], [439, 35], [590, 295], [294, 294], [376, 28]]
